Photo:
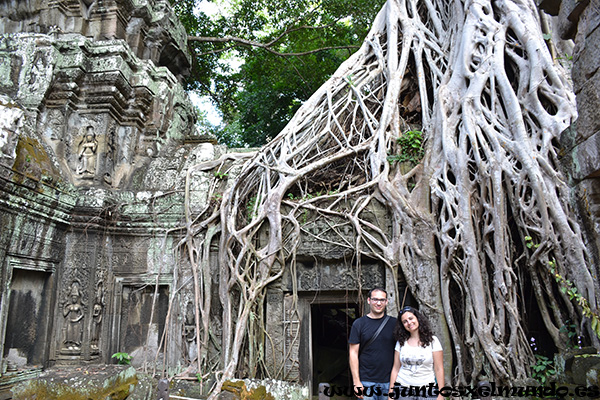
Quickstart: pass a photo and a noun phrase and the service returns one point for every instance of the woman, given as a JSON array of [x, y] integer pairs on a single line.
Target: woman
[[418, 358]]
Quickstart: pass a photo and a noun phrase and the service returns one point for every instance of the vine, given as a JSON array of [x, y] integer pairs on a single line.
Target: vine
[[567, 287]]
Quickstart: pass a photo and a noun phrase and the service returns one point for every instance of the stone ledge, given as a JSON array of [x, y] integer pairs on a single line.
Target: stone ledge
[[9, 379], [97, 382]]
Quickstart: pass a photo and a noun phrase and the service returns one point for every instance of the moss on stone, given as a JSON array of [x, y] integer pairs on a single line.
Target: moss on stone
[[33, 162], [241, 391], [86, 386]]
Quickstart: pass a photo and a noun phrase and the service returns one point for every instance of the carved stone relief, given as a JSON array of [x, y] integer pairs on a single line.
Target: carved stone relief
[[129, 254], [97, 315], [34, 238], [109, 164], [73, 312], [11, 120], [149, 26], [189, 332], [334, 275], [87, 154]]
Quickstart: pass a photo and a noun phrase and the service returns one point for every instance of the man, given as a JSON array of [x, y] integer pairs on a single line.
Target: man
[[371, 361]]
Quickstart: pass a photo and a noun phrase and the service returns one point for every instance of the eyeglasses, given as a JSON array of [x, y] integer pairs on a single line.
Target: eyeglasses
[[374, 300], [407, 309]]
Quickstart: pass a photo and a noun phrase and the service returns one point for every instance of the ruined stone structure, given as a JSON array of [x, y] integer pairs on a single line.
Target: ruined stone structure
[[580, 21], [94, 134], [96, 141]]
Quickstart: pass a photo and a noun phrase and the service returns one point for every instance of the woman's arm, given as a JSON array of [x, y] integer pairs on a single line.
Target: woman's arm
[[395, 369], [438, 369]]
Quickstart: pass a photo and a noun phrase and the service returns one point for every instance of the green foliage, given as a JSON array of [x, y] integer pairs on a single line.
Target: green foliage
[[567, 57], [122, 358], [566, 61], [567, 287], [259, 96], [529, 243], [570, 330], [410, 148], [251, 209], [231, 135], [307, 196], [543, 370], [221, 175]]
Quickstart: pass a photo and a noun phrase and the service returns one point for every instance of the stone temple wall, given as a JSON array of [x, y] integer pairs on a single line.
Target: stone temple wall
[[96, 136], [580, 21], [148, 27]]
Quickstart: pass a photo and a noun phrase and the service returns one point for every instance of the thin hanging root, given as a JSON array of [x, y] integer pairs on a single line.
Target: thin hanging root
[[457, 235]]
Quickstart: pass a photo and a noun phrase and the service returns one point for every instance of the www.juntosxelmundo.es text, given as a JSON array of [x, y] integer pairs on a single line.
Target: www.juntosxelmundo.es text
[[480, 391]]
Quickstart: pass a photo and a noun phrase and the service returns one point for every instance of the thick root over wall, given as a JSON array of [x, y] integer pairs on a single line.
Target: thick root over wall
[[477, 78]]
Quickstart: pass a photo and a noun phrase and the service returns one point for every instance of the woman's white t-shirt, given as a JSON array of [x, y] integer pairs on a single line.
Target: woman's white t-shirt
[[417, 363]]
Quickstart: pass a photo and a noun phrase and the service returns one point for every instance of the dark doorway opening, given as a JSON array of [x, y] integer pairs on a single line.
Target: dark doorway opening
[[540, 340], [137, 318], [331, 323], [28, 316]]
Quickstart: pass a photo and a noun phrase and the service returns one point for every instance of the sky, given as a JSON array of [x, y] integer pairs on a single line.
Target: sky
[[203, 102]]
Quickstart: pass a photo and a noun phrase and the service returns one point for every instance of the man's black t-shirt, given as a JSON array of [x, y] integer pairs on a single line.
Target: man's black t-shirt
[[377, 359]]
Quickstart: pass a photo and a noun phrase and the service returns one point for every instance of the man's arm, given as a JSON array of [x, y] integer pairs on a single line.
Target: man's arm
[[354, 366]]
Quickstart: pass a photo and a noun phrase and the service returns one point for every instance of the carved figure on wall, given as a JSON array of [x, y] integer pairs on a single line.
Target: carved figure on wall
[[86, 153], [189, 331], [55, 124], [11, 120], [110, 156], [97, 317], [73, 313], [38, 71]]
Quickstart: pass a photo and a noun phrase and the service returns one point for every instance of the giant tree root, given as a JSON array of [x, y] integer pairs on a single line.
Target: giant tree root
[[477, 78]]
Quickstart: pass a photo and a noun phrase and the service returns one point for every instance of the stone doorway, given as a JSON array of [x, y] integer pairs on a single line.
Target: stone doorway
[[26, 309], [27, 318], [142, 321], [330, 330]]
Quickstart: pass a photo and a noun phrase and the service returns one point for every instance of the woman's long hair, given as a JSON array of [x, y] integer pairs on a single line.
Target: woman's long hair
[[425, 334]]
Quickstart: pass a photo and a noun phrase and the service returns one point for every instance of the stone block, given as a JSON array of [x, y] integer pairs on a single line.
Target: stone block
[[565, 361], [585, 158], [593, 376], [588, 104], [94, 382], [585, 66], [590, 16], [566, 26], [267, 389], [145, 389], [582, 364]]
